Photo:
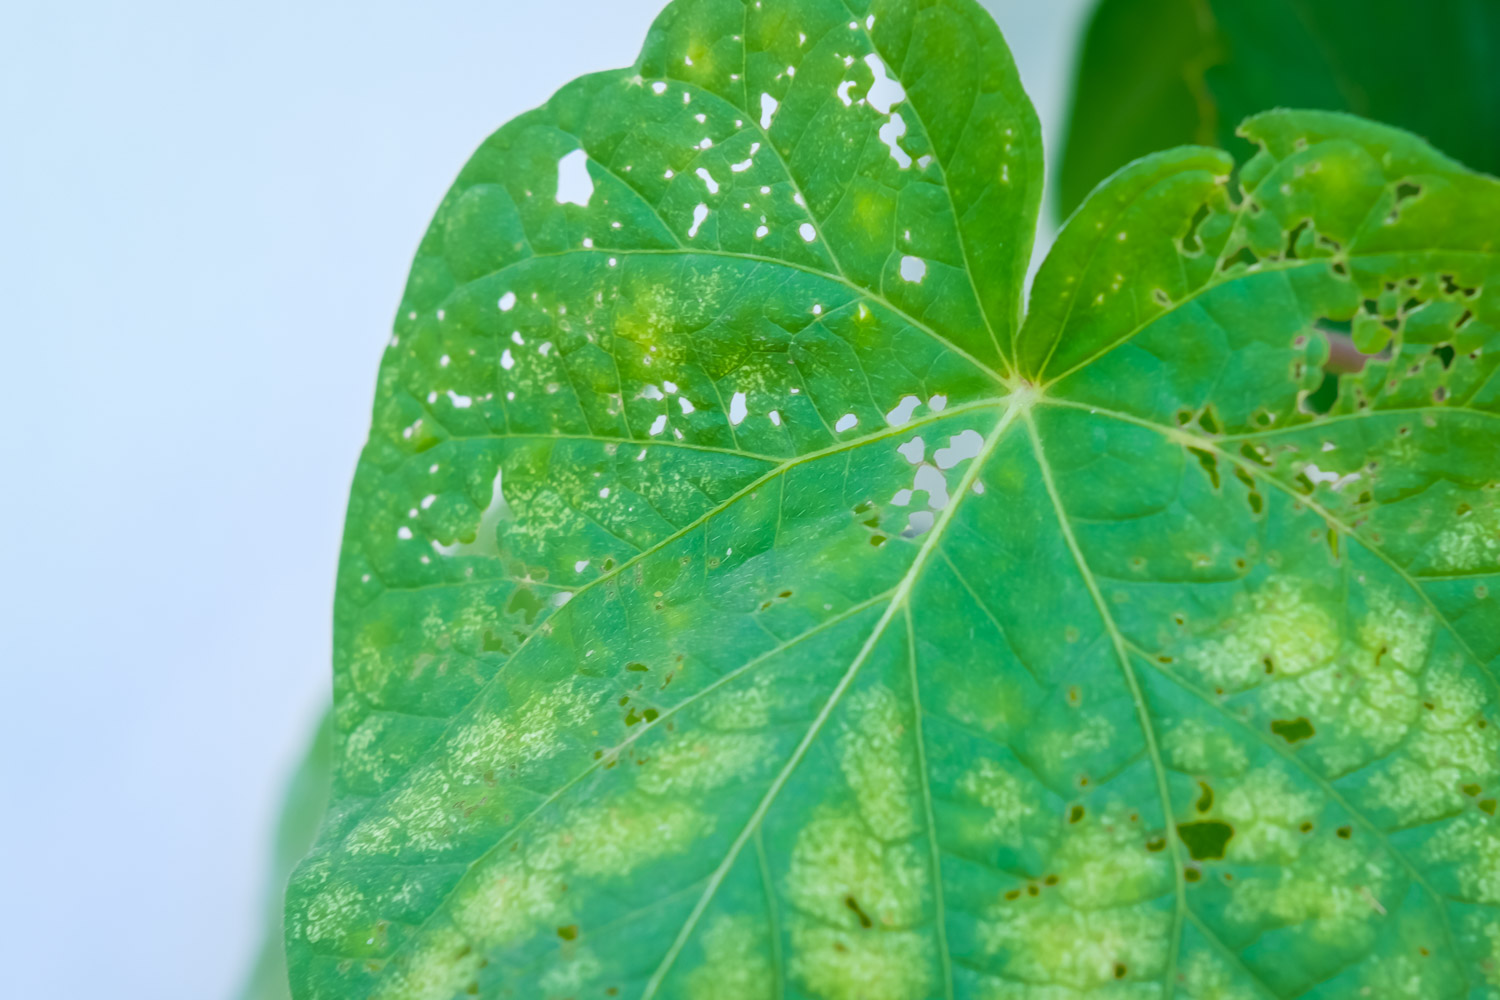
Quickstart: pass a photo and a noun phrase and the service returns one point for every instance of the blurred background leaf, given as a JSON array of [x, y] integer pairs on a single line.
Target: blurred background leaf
[[1159, 73], [301, 810]]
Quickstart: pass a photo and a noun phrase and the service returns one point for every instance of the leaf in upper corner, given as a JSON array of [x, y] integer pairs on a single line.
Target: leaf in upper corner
[[1156, 73], [739, 599]]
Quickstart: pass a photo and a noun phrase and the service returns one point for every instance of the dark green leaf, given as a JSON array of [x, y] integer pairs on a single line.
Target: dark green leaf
[[1158, 73]]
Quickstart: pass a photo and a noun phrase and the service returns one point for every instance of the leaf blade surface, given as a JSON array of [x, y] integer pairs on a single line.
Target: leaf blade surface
[[764, 615]]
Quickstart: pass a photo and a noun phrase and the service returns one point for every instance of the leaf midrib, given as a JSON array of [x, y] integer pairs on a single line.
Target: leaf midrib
[[1143, 714], [1016, 406]]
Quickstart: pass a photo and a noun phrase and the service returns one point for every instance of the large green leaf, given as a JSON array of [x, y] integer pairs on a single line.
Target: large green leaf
[[737, 601], [1155, 73]]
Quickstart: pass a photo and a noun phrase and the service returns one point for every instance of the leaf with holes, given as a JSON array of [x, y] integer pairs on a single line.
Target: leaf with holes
[[1155, 73], [740, 600]]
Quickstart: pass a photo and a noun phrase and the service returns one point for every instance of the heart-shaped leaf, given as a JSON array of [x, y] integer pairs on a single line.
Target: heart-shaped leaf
[[738, 600]]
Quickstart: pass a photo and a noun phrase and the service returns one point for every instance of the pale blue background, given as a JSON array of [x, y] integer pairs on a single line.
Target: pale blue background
[[207, 211]]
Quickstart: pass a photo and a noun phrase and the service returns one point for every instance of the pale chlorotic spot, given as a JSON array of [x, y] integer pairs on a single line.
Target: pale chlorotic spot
[[574, 185]]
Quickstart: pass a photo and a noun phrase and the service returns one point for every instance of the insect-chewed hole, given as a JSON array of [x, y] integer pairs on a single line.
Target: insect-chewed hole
[[1205, 839], [1244, 255], [1190, 244], [1253, 495], [1293, 236], [1210, 464], [1405, 192], [853, 905], [1322, 399], [1293, 730], [1343, 358]]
